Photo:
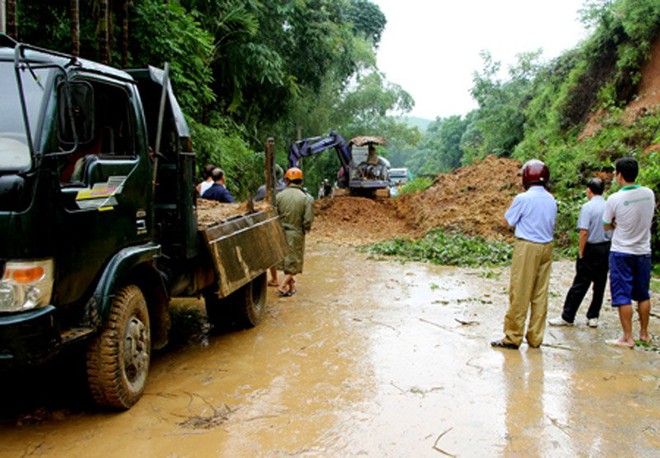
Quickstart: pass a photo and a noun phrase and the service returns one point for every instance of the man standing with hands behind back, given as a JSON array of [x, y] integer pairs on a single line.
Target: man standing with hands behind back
[[592, 261], [296, 211], [533, 214], [629, 212]]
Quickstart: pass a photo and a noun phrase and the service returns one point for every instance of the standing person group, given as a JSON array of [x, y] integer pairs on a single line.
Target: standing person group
[[218, 191], [625, 219], [592, 262], [296, 211], [207, 180]]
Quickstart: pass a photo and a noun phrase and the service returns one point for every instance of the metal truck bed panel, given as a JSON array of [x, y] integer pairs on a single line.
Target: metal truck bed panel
[[243, 247]]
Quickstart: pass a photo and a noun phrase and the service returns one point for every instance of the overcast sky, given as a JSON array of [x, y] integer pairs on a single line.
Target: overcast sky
[[431, 47]]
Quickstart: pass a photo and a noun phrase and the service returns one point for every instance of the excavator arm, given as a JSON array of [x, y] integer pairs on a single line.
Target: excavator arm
[[315, 145]]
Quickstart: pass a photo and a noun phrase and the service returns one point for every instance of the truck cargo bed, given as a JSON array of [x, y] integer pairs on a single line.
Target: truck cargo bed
[[242, 244]]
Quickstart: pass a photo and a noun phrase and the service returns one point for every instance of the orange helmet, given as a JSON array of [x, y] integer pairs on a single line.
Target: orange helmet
[[294, 173]]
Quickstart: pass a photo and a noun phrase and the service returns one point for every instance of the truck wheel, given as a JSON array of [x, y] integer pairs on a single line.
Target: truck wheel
[[254, 300], [118, 358], [244, 307]]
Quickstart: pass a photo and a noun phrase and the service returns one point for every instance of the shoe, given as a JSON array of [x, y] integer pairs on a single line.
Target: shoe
[[502, 344], [559, 321], [618, 343], [592, 322]]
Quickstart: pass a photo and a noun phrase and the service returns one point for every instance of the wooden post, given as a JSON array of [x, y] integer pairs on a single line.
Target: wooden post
[[270, 170], [10, 19], [74, 7], [3, 20]]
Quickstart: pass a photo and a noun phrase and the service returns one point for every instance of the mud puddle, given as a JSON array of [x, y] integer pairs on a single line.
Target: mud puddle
[[370, 358]]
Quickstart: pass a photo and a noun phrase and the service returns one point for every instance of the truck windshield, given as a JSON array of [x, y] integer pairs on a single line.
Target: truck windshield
[[14, 149]]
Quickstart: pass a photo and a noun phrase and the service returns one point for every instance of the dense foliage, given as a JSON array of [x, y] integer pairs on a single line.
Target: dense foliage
[[244, 70]]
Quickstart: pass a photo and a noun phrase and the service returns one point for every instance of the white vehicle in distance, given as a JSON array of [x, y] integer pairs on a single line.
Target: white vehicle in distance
[[398, 178]]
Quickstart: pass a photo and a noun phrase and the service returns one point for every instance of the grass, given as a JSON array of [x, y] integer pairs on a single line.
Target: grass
[[450, 249]]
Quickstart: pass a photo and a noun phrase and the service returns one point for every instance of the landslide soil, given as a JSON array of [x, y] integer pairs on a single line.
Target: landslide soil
[[471, 200]]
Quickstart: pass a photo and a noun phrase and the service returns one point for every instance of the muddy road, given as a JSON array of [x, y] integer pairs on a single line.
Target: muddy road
[[370, 358]]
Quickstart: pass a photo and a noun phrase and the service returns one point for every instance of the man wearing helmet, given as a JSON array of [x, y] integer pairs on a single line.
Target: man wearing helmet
[[296, 211], [533, 214]]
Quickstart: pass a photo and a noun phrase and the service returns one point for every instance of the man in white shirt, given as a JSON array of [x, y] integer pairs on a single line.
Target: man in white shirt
[[630, 213]]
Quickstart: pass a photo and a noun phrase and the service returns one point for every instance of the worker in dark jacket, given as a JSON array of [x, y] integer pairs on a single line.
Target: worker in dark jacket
[[296, 211], [218, 191]]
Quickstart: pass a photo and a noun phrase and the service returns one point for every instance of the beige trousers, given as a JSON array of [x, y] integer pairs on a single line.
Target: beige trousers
[[528, 290]]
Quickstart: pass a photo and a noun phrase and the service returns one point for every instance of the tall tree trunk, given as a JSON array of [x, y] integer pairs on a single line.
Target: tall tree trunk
[[10, 11], [75, 27], [104, 42], [124, 35]]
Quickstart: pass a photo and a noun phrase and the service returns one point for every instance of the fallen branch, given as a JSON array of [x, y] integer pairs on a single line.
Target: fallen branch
[[438, 325], [466, 323], [435, 445], [560, 347]]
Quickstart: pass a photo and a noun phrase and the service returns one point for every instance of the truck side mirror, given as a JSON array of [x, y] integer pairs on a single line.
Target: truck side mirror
[[75, 112]]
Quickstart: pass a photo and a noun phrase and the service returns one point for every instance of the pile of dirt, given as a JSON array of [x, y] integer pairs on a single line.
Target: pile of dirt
[[471, 200], [647, 99], [357, 221], [211, 212]]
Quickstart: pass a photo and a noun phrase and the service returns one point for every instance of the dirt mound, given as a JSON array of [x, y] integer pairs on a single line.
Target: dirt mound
[[357, 221], [646, 101], [471, 199]]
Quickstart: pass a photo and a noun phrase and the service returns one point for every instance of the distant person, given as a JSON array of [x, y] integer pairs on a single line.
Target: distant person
[[629, 212], [592, 261], [204, 185], [325, 191], [218, 191], [533, 214], [279, 184], [296, 211], [369, 168]]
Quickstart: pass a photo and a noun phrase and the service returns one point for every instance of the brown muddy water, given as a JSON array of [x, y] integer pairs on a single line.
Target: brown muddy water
[[370, 358]]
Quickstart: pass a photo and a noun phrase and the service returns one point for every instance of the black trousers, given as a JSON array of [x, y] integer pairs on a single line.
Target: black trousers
[[592, 268]]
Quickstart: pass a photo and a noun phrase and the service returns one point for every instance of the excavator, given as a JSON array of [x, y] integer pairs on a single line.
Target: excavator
[[361, 171]]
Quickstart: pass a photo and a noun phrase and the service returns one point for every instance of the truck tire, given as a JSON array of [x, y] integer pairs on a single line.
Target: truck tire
[[243, 308], [118, 358]]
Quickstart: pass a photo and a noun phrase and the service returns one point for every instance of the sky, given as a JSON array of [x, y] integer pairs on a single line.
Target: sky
[[431, 47]]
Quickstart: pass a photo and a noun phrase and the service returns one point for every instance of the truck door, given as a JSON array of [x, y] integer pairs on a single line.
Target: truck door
[[105, 191]]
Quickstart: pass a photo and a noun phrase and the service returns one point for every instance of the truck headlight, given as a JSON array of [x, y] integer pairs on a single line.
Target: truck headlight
[[26, 285]]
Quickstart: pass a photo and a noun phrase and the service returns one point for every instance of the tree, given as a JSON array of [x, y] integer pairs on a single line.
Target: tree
[[499, 122]]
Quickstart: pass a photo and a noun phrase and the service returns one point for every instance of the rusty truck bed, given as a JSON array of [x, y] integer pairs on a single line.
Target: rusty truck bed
[[242, 242]]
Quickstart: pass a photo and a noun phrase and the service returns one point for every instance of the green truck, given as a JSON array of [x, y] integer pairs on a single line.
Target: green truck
[[98, 220]]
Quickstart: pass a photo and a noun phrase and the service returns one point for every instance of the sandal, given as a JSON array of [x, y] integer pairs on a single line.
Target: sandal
[[503, 344], [284, 293], [273, 283]]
